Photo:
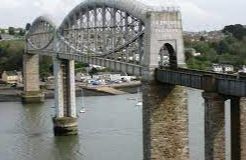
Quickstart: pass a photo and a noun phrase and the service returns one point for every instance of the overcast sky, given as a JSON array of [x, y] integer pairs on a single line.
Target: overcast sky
[[197, 14]]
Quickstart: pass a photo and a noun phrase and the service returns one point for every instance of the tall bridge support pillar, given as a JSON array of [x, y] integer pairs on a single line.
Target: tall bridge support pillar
[[235, 128], [165, 122], [242, 128], [32, 93], [214, 126], [65, 121], [165, 113]]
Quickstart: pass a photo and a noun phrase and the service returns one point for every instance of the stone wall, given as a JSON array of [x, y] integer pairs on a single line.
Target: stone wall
[[243, 128], [214, 126], [31, 73], [165, 122]]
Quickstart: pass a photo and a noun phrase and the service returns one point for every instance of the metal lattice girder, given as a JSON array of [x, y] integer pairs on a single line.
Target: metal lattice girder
[[41, 34], [104, 32], [111, 29]]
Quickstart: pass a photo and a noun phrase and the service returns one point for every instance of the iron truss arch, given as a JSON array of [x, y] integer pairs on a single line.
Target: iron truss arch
[[41, 35], [102, 30], [109, 29]]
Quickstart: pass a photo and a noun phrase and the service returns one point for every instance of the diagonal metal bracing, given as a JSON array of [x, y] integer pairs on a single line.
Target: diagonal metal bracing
[[104, 32], [94, 31], [40, 35]]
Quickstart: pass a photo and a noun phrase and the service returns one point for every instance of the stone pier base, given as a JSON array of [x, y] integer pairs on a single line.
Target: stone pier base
[[32, 97], [65, 126], [165, 122]]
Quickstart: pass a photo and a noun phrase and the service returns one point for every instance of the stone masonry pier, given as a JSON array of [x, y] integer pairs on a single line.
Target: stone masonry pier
[[165, 122]]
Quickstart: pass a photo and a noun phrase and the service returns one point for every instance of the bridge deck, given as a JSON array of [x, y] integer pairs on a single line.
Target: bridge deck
[[221, 83]]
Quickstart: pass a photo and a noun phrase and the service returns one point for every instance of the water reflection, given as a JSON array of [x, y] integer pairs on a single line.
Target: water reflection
[[110, 129], [67, 148]]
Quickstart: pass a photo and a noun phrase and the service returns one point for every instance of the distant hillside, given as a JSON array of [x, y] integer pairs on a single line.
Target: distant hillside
[[11, 53], [227, 46]]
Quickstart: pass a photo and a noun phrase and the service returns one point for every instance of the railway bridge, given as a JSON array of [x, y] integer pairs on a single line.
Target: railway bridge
[[142, 40]]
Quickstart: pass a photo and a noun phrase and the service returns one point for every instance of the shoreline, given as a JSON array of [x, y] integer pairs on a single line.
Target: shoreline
[[13, 94]]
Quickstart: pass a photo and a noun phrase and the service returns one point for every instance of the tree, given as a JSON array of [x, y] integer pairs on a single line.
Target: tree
[[21, 32], [11, 30], [202, 38], [223, 47], [237, 30], [28, 26], [11, 53], [2, 31], [45, 66], [93, 71], [188, 53], [212, 55], [201, 47]]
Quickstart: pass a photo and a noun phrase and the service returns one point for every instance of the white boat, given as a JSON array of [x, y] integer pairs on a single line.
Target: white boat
[[139, 104], [131, 98], [82, 110]]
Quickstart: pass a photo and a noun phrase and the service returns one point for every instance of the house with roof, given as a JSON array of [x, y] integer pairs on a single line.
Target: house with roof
[[217, 68], [223, 68], [6, 37], [12, 77]]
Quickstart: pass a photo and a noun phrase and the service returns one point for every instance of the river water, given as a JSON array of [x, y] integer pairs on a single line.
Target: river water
[[110, 129]]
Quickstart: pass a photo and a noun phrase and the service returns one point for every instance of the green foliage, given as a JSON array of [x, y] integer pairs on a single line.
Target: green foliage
[[237, 30], [2, 31], [11, 53], [106, 70], [93, 71], [198, 63], [81, 65], [22, 32], [230, 50], [222, 47], [188, 54], [11, 30], [201, 47], [46, 67], [202, 38], [28, 26]]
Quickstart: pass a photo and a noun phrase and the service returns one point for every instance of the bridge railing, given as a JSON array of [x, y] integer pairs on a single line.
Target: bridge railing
[[219, 75], [223, 84], [180, 78], [231, 87]]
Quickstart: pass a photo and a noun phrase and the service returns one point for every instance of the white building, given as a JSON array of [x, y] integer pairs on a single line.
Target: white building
[[115, 77], [195, 54], [222, 68], [7, 37], [217, 68], [244, 69], [228, 68], [12, 77]]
